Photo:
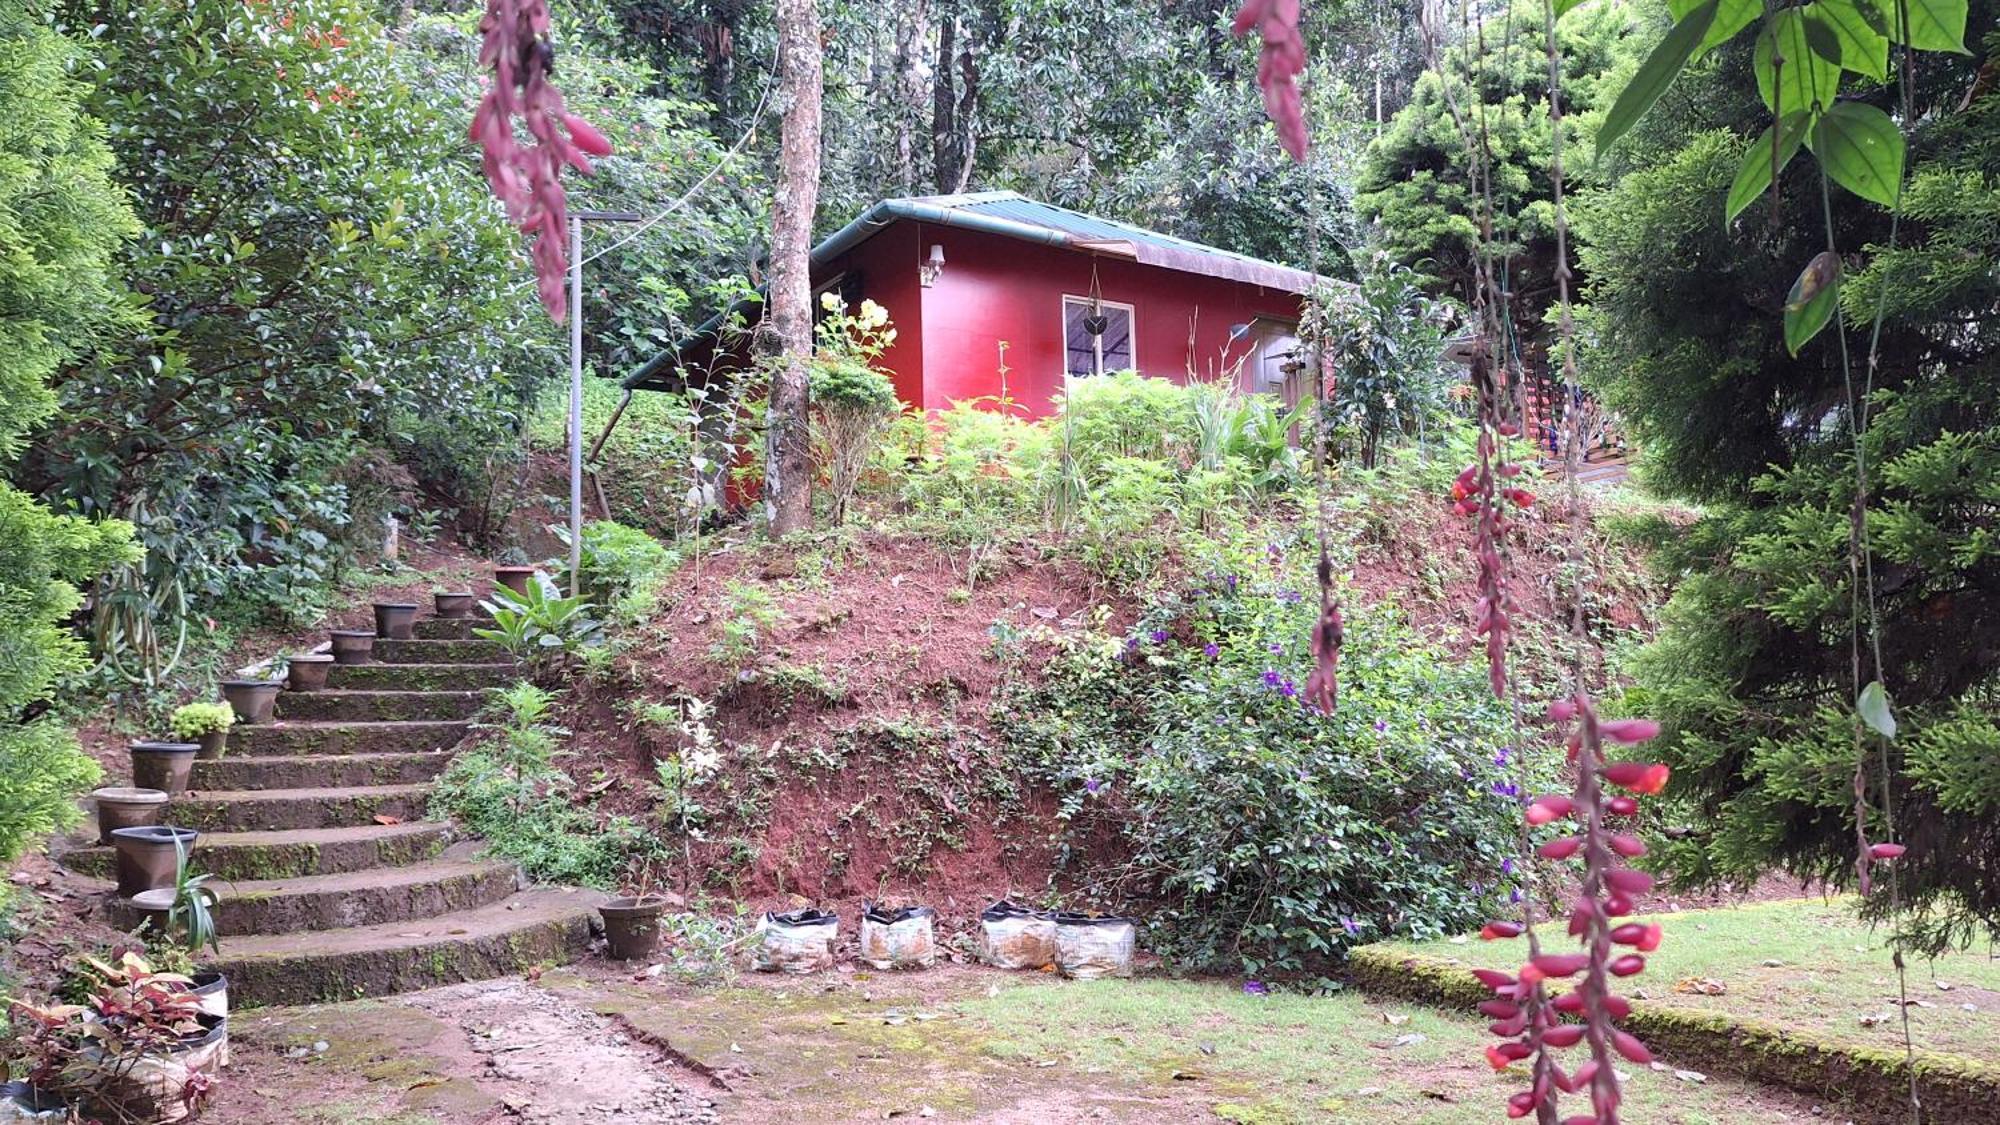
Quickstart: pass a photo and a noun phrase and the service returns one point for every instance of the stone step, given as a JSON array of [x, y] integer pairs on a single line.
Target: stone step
[[450, 628], [440, 652], [421, 677], [283, 855], [312, 771], [263, 810], [378, 706], [347, 738], [355, 898], [532, 927]]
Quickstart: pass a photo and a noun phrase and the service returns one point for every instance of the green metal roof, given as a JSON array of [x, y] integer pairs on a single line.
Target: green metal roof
[[1009, 215]]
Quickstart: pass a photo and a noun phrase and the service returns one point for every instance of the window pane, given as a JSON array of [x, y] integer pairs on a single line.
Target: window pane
[[1080, 348]]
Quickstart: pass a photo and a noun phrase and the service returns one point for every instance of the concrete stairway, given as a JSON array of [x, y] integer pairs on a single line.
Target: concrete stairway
[[336, 885]]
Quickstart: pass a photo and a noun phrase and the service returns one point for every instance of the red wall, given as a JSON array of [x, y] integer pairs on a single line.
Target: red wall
[[995, 288]]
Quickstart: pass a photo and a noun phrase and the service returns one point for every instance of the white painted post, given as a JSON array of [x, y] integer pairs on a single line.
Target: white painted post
[[575, 402]]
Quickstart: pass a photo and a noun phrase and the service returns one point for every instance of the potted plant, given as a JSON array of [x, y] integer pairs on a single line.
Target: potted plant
[[164, 766], [632, 925], [352, 646], [252, 700], [395, 620], [188, 924], [308, 671], [206, 724], [455, 605], [141, 1049], [147, 856], [125, 807], [515, 578]]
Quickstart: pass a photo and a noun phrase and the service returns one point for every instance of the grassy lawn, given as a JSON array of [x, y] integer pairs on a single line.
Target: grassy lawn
[[1280, 1059], [1804, 964]]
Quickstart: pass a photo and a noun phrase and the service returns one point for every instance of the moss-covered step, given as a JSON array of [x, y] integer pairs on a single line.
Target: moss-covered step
[[421, 677], [347, 738], [244, 856], [317, 771], [267, 810], [537, 927], [440, 652], [356, 898], [1862, 1081], [378, 706], [450, 628]]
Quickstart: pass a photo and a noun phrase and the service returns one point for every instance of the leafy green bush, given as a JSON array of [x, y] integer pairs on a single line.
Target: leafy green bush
[[509, 791], [1270, 835], [192, 720], [620, 567], [853, 401]]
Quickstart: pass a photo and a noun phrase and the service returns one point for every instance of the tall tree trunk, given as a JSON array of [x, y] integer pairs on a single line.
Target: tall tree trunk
[[907, 99], [944, 100], [789, 320]]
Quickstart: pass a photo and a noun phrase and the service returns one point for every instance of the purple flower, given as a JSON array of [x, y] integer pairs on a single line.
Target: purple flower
[[1381, 726], [1160, 636], [1514, 895], [1211, 650], [1500, 759], [1230, 582], [1506, 789], [1507, 866], [1288, 689], [1277, 648], [1092, 785], [1290, 597], [1272, 678], [1255, 988], [1350, 925]]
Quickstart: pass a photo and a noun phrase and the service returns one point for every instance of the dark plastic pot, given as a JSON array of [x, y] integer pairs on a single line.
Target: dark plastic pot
[[308, 672], [252, 700], [515, 578], [352, 646], [147, 858], [455, 606], [126, 808], [395, 620], [632, 926], [163, 765], [213, 744]]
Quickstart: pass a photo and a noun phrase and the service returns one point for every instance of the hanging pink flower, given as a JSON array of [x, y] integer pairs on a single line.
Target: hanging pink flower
[[1279, 64]]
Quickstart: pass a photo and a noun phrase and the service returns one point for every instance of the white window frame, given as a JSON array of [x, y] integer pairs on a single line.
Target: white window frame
[[1131, 319]]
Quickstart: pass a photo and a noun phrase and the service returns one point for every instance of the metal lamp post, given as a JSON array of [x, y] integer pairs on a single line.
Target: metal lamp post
[[576, 221]]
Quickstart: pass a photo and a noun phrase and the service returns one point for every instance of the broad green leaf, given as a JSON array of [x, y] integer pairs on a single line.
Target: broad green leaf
[[1731, 16], [1564, 7], [1806, 79], [1655, 75], [1857, 25], [1935, 25], [1754, 174], [1810, 303], [1873, 706], [1862, 150]]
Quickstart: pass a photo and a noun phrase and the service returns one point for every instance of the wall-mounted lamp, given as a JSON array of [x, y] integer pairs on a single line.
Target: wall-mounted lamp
[[928, 271]]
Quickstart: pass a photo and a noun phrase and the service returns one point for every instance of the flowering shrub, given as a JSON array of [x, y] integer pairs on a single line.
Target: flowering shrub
[[1273, 835], [853, 401]]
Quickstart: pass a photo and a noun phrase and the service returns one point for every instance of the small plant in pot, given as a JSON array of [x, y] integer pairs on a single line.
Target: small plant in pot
[[632, 923], [180, 924], [254, 701], [206, 724], [139, 1050]]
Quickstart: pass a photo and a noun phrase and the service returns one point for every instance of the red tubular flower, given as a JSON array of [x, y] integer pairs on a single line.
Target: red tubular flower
[[1629, 965], [1622, 806], [1501, 1055], [1549, 808], [1616, 905], [1521, 1104], [1639, 777], [1885, 851], [1567, 1035], [1496, 929], [1514, 1025], [1558, 964], [1628, 846], [1630, 730], [1562, 710], [1560, 849], [1281, 61], [1569, 1003], [1494, 979], [1644, 938], [586, 137], [1499, 1009], [1628, 881], [1628, 1045]]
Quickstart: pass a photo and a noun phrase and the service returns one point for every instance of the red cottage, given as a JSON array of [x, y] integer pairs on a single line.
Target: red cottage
[[992, 282]]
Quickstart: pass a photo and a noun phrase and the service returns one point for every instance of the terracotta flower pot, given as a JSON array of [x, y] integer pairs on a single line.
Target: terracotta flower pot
[[146, 856], [308, 672], [213, 744], [252, 700], [121, 807], [352, 646], [395, 620], [515, 578], [164, 766], [455, 606], [632, 926]]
